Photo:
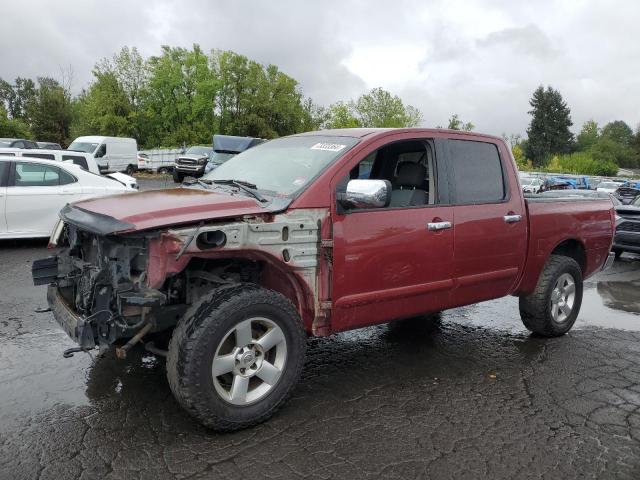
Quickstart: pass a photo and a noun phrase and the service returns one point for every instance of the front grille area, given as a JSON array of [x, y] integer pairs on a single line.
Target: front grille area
[[187, 161], [629, 227]]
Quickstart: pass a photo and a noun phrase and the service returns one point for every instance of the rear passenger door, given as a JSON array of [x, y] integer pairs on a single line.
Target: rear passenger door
[[490, 223]]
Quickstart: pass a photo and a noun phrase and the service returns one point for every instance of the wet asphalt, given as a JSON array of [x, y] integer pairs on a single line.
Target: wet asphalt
[[469, 394]]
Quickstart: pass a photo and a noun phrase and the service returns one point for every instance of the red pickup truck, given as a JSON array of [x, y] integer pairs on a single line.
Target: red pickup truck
[[309, 235]]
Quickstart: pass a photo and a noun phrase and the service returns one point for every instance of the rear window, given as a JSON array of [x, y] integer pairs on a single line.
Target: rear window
[[46, 156], [477, 175], [78, 160]]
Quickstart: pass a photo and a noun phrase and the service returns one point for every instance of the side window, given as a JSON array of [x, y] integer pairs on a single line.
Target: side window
[[77, 160], [35, 175], [101, 151], [408, 166], [46, 156], [4, 173], [66, 178], [477, 175], [19, 144]]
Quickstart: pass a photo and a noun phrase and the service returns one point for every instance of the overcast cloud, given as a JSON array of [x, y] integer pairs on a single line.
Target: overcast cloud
[[481, 60]]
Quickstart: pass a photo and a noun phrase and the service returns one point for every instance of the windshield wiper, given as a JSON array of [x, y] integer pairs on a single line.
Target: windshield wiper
[[246, 186], [193, 181]]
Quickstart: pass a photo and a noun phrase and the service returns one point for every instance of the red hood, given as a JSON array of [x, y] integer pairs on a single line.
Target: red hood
[[158, 208]]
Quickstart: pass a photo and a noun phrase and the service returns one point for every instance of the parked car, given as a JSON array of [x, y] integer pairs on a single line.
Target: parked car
[[226, 147], [628, 192], [191, 163], [112, 154], [558, 183], [609, 186], [284, 241], [582, 194], [627, 237], [17, 143], [83, 160], [33, 190], [531, 185], [49, 145]]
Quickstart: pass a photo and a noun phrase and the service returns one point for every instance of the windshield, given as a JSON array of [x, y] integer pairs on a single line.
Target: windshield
[[83, 147], [285, 165], [197, 150], [220, 157]]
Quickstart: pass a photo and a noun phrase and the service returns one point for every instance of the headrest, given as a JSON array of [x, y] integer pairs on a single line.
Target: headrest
[[411, 175]]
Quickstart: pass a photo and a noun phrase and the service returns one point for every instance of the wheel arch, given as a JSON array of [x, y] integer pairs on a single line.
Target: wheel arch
[[572, 248]]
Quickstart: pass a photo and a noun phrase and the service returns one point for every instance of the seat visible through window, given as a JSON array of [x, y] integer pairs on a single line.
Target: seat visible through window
[[408, 191]]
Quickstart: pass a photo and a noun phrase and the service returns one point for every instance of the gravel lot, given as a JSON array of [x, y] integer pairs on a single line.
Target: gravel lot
[[467, 395]]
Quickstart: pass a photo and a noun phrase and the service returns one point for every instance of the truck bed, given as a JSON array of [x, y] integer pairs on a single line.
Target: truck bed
[[553, 220]]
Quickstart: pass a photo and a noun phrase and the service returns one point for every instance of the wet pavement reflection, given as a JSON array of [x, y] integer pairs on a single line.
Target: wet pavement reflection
[[469, 393]]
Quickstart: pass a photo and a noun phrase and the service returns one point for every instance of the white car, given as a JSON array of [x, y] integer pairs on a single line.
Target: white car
[[84, 160], [34, 190], [531, 185], [609, 186]]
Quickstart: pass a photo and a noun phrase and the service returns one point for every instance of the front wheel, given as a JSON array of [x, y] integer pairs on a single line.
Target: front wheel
[[236, 356], [177, 176], [552, 309]]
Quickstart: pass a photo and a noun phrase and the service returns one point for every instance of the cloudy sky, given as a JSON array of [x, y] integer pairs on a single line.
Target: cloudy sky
[[481, 60]]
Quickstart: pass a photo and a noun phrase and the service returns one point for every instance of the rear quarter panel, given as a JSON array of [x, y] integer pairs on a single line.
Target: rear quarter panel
[[552, 222]]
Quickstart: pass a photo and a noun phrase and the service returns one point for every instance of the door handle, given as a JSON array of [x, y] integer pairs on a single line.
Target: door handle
[[435, 226], [512, 218]]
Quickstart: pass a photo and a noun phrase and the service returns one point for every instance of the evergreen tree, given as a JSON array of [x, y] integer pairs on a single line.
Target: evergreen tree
[[548, 132]]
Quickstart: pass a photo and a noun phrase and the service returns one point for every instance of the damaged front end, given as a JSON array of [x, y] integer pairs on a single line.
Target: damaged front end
[[97, 290]]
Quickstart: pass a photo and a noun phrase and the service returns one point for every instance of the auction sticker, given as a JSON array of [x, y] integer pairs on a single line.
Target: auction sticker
[[329, 147]]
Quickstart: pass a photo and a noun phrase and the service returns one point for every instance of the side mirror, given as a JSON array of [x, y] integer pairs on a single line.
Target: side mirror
[[366, 194]]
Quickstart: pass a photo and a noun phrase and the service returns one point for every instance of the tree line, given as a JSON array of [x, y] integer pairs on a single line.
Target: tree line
[[184, 96]]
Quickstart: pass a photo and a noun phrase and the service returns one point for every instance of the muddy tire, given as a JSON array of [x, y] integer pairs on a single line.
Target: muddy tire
[[552, 309], [236, 356], [177, 176]]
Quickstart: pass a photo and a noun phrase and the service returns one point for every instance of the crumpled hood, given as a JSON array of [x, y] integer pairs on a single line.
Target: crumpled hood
[[160, 208]]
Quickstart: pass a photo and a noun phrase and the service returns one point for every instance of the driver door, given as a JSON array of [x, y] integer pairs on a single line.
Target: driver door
[[389, 262]]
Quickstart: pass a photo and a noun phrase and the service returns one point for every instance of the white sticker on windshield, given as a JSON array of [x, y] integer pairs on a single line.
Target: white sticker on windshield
[[329, 147]]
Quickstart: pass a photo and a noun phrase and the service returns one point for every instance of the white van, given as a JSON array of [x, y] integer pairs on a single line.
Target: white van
[[112, 154]]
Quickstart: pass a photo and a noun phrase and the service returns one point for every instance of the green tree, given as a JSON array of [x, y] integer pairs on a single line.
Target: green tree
[[548, 132], [379, 108], [12, 128], [375, 109], [619, 132], [588, 135], [456, 124], [50, 112], [341, 115]]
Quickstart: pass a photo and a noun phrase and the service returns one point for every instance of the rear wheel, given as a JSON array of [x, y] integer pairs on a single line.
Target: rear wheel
[[163, 170], [552, 309], [177, 176], [130, 169], [617, 252], [236, 356]]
